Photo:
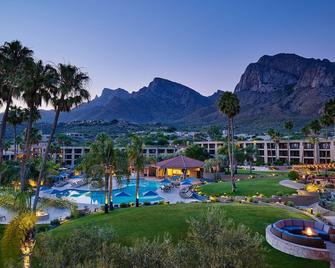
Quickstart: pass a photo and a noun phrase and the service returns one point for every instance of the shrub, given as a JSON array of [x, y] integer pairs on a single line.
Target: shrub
[[207, 240], [77, 247], [124, 205], [293, 175], [146, 203], [279, 193], [55, 222], [289, 203]]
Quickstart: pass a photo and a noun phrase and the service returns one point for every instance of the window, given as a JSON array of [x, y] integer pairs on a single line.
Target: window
[[161, 151], [68, 156], [308, 146], [283, 153], [68, 151], [294, 145], [324, 145], [260, 145], [308, 154], [144, 151], [170, 151], [324, 153], [77, 151], [212, 145], [294, 153], [152, 151], [211, 151], [282, 145]]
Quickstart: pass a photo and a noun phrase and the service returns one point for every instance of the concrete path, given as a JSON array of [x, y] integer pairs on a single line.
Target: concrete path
[[292, 184]]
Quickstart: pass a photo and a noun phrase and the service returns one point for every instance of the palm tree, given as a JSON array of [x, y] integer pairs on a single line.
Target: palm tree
[[229, 104], [329, 110], [288, 125], [275, 137], [12, 58], [101, 158], [315, 128], [69, 92], [15, 117], [37, 81], [325, 122], [251, 153], [136, 158]]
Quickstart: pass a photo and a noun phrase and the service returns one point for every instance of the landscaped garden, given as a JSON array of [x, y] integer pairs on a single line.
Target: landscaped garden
[[264, 183], [150, 222]]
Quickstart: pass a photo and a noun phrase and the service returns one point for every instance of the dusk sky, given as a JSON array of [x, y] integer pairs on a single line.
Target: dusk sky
[[203, 44]]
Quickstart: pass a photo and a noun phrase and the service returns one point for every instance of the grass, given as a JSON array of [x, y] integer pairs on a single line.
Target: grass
[[133, 223], [264, 184]]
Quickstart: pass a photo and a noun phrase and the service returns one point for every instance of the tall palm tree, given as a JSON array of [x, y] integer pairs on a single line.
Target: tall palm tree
[[229, 105], [69, 91], [37, 81], [101, 158], [13, 55], [315, 128], [136, 157], [15, 117], [288, 125], [275, 137]]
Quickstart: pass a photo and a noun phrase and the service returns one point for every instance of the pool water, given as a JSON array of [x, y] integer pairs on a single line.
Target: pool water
[[98, 197]]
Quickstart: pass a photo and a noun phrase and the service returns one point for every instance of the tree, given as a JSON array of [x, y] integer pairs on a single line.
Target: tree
[[275, 137], [12, 58], [196, 152], [37, 80], [67, 91], [19, 235], [136, 158], [101, 161], [15, 117], [314, 132], [214, 132], [325, 122], [229, 105], [288, 125], [251, 153], [329, 110]]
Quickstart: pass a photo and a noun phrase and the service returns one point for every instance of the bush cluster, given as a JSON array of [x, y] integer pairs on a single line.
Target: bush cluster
[[212, 241]]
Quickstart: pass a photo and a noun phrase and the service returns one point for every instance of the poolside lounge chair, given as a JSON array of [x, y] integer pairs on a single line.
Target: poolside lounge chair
[[186, 192], [60, 183], [78, 183]]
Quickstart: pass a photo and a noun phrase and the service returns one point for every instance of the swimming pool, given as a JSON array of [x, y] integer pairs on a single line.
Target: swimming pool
[[124, 194]]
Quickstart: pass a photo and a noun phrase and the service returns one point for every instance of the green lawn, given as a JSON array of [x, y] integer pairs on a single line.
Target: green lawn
[[149, 222], [264, 184]]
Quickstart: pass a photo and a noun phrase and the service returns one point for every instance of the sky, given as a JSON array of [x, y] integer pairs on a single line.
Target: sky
[[205, 45]]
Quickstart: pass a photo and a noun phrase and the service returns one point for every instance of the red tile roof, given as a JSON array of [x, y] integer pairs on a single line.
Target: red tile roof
[[181, 161]]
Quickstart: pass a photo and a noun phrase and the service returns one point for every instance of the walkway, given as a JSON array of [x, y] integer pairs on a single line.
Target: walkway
[[292, 184]]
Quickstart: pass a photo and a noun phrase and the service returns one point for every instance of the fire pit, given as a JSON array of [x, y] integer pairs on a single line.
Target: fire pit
[[310, 232]]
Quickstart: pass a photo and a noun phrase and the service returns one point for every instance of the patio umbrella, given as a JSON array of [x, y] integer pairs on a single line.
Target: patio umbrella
[[186, 182], [166, 181], [122, 194], [150, 193]]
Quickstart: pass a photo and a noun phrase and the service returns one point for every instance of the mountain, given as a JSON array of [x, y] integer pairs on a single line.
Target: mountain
[[161, 101], [271, 91], [285, 86]]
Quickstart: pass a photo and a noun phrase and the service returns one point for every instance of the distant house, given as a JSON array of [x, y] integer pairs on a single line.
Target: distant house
[[176, 166]]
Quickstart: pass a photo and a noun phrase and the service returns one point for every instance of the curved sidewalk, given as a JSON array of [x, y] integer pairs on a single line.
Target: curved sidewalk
[[292, 184]]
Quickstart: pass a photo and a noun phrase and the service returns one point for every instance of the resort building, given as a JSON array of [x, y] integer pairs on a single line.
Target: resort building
[[71, 153], [287, 151], [210, 146], [155, 151]]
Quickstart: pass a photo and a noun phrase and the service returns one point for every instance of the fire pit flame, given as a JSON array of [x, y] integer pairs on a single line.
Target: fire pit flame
[[309, 231]]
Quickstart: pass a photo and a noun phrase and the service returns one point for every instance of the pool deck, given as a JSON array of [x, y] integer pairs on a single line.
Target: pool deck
[[60, 213]]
